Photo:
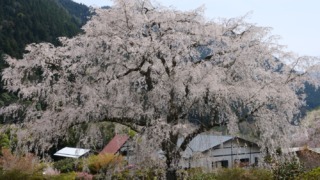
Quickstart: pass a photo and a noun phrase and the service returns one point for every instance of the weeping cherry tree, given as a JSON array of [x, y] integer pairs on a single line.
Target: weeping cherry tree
[[162, 72]]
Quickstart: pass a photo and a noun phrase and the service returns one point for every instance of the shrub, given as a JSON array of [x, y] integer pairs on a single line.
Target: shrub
[[147, 174], [68, 165], [8, 139], [4, 141], [195, 174], [227, 174], [288, 169], [245, 174], [28, 163], [64, 176], [314, 174], [19, 175], [202, 176], [262, 174], [103, 162]]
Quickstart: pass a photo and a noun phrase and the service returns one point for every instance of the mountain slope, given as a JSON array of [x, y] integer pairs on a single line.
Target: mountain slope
[[23, 22], [79, 12]]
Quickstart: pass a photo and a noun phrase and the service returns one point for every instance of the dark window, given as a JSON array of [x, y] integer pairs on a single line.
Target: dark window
[[256, 161], [224, 163], [244, 162], [219, 164]]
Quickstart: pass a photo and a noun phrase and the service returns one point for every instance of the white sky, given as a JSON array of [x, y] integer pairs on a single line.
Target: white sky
[[296, 21]]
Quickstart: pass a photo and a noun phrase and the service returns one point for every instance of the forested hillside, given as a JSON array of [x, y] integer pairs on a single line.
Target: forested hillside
[[23, 22], [313, 96], [79, 12]]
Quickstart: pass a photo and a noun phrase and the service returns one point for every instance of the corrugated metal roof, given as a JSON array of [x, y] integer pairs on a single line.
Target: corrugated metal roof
[[292, 149], [317, 150], [202, 143], [296, 149], [71, 152], [115, 144]]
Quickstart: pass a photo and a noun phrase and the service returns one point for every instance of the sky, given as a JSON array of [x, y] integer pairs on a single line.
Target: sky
[[295, 21]]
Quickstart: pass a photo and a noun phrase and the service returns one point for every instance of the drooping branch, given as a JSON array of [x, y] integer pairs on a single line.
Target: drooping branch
[[134, 124]]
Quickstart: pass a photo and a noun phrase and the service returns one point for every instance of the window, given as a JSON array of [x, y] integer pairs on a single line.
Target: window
[[244, 162], [256, 161], [224, 163], [220, 164]]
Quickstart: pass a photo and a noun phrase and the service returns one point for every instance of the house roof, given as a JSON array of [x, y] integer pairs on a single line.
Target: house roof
[[317, 150], [296, 149], [115, 144], [292, 149], [202, 143], [71, 152]]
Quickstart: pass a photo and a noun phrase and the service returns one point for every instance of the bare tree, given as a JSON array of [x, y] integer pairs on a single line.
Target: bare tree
[[162, 72]]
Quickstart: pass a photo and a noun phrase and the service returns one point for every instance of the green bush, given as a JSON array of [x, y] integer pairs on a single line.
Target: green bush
[[262, 174], [227, 174], [64, 176], [202, 176], [314, 174], [245, 174], [20, 175], [147, 174], [195, 174], [230, 174], [4, 141], [68, 165], [103, 162]]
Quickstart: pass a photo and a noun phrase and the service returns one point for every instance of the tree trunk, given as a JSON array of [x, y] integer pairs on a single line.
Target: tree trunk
[[169, 146], [171, 173]]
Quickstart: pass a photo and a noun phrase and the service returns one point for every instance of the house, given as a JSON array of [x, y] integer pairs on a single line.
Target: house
[[309, 157], [72, 152], [116, 145], [213, 151], [206, 151]]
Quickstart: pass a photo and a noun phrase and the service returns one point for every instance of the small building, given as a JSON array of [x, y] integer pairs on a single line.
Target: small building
[[116, 145], [309, 157], [72, 152], [212, 151]]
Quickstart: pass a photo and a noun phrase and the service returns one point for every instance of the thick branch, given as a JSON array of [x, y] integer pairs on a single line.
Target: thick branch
[[132, 69], [163, 61], [252, 112], [134, 124]]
